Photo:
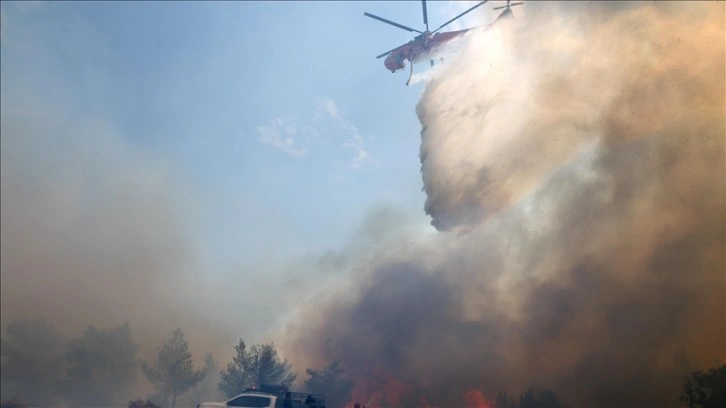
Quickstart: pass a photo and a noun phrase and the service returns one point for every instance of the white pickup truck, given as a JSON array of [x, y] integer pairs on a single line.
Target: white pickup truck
[[249, 399], [252, 398]]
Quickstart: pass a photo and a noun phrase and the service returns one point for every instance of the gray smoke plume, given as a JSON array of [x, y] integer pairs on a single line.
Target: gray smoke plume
[[93, 233], [573, 160]]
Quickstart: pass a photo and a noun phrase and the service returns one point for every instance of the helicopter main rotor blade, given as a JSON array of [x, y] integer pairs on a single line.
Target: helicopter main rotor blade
[[389, 51], [392, 23], [507, 6], [460, 15], [426, 19]]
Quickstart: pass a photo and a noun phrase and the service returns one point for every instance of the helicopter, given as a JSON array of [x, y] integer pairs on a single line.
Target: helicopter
[[424, 44]]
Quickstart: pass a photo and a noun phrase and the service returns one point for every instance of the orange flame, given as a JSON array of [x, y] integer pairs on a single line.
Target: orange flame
[[379, 387], [376, 388], [476, 399]]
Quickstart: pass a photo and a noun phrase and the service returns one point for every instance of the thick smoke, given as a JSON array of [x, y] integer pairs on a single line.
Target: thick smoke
[[573, 159]]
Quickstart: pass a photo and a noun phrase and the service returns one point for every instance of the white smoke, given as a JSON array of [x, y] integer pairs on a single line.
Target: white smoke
[[529, 94]]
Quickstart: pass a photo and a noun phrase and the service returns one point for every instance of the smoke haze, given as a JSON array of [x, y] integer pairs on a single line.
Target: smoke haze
[[95, 230], [573, 160]]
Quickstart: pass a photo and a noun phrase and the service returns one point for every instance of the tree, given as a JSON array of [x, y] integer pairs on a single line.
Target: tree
[[207, 389], [32, 361], [173, 373], [540, 398], [13, 403], [139, 403], [102, 366], [332, 383], [504, 401], [705, 390], [259, 364]]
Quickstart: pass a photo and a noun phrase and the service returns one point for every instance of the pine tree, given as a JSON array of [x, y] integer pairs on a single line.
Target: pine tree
[[174, 373], [260, 364]]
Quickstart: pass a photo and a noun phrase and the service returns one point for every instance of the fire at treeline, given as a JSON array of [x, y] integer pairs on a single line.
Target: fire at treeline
[[101, 367]]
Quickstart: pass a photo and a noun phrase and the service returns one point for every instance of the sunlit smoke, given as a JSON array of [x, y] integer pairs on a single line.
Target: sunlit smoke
[[573, 159]]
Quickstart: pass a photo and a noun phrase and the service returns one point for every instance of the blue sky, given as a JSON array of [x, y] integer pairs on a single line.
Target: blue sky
[[199, 82], [276, 119]]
